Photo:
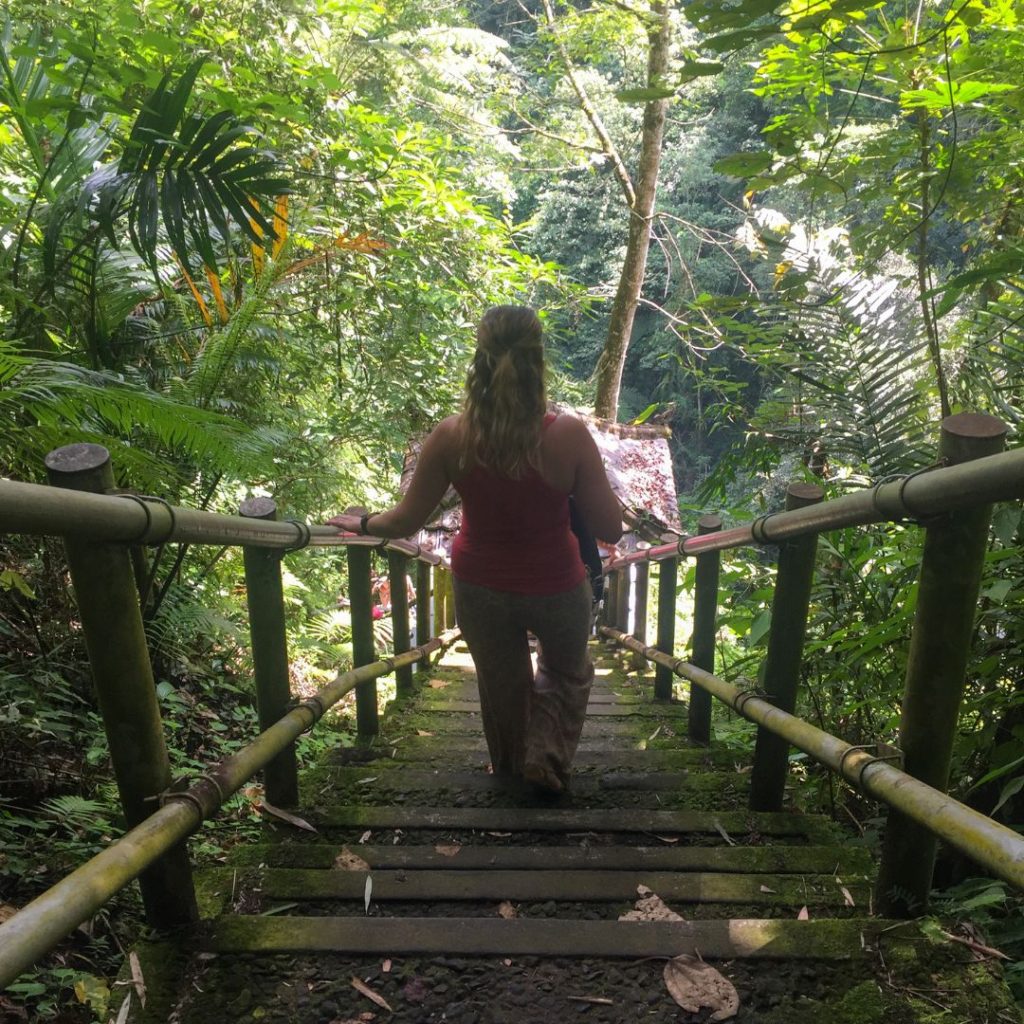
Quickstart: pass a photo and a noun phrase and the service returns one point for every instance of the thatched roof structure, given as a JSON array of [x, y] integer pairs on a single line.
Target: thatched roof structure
[[636, 458]]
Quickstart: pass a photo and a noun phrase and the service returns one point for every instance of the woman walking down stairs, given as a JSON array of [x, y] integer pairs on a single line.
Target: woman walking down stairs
[[432, 891]]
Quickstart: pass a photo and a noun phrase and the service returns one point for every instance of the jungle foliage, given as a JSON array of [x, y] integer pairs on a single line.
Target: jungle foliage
[[243, 245]]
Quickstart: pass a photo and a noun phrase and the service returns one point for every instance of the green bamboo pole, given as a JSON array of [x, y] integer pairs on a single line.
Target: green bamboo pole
[[641, 589], [400, 619], [361, 608], [422, 602], [987, 842], [949, 581], [667, 572], [438, 598], [264, 594], [705, 629], [785, 650], [108, 604], [622, 601], [449, 599]]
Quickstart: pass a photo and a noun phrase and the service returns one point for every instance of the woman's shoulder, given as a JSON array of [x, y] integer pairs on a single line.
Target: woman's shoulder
[[566, 426]]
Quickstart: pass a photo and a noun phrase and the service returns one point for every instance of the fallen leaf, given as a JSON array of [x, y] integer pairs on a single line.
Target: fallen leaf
[[386, 967], [694, 984], [137, 979], [349, 861], [642, 890], [596, 1000], [447, 851], [506, 910], [847, 897], [292, 819], [437, 684], [725, 835], [367, 893], [667, 839], [366, 781], [423, 732], [122, 1015], [7, 912], [764, 888], [365, 837], [654, 735], [500, 835], [366, 1015], [507, 962], [650, 907], [371, 995], [803, 915], [415, 990]]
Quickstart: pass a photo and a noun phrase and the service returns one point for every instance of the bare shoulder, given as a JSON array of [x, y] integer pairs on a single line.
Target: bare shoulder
[[567, 433]]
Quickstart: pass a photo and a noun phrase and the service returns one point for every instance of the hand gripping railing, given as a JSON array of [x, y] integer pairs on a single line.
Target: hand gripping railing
[[100, 530], [952, 502]]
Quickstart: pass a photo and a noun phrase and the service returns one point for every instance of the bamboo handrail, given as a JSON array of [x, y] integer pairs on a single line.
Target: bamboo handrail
[[978, 836], [41, 924], [918, 495], [136, 519]]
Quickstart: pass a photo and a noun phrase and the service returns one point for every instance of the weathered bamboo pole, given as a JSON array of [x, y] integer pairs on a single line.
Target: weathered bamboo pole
[[449, 599], [622, 600], [667, 571], [705, 629], [438, 598], [790, 602], [993, 846], [611, 597], [641, 590], [949, 581], [40, 925], [264, 594], [108, 603], [361, 608], [422, 602], [400, 619]]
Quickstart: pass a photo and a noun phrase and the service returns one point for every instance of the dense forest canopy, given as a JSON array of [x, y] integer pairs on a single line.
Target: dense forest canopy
[[243, 245]]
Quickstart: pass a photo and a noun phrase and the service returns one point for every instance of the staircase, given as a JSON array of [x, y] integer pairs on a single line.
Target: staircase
[[432, 892]]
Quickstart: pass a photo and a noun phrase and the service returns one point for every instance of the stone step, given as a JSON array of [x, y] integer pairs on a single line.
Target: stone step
[[564, 885], [841, 861], [821, 939], [671, 710], [470, 725]]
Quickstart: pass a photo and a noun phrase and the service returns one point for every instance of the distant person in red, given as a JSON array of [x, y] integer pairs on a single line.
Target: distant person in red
[[515, 560]]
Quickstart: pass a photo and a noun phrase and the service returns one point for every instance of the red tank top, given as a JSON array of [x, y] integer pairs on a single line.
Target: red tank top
[[515, 534]]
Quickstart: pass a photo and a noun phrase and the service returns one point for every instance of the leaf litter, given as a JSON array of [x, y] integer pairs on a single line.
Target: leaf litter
[[349, 861], [650, 907], [375, 997], [696, 985]]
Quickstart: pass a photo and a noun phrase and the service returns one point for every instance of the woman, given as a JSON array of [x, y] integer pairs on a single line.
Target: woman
[[515, 560]]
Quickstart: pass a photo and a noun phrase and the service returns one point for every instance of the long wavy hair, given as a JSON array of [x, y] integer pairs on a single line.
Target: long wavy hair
[[505, 401]]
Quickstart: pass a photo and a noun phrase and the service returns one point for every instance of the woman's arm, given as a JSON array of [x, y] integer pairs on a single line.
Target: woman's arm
[[430, 480], [594, 496]]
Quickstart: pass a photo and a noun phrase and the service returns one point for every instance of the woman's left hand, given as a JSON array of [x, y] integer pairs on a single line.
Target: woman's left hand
[[346, 522]]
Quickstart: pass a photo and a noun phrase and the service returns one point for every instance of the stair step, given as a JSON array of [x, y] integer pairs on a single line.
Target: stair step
[[468, 725], [568, 886], [546, 819], [835, 860], [599, 709], [823, 939], [593, 751]]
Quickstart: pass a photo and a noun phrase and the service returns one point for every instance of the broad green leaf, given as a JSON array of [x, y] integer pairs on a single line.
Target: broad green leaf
[[744, 165], [644, 95]]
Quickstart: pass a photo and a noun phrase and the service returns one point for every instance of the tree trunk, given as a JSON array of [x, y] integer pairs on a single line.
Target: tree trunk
[[620, 326]]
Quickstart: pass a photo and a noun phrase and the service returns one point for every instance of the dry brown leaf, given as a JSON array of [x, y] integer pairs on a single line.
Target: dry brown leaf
[[500, 835], [694, 984], [447, 851], [137, 979], [423, 732], [725, 835], [349, 861], [650, 907], [847, 897], [292, 819], [803, 915], [667, 839], [371, 995], [506, 910], [764, 888], [7, 912], [365, 837], [596, 1000], [437, 684], [507, 962], [385, 968]]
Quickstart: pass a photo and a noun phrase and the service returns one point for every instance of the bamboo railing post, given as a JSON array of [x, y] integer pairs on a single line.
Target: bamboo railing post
[[785, 650], [949, 581], [622, 600], [361, 597], [640, 592], [667, 572], [108, 604], [705, 628], [400, 619], [449, 600], [438, 598], [611, 597], [264, 594], [423, 633]]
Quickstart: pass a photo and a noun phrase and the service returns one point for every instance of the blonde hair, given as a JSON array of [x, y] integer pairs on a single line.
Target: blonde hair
[[505, 395]]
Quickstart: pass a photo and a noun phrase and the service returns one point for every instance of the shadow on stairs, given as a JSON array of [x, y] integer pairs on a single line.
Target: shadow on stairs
[[431, 892]]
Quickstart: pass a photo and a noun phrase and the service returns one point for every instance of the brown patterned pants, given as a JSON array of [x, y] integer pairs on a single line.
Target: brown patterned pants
[[529, 719]]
